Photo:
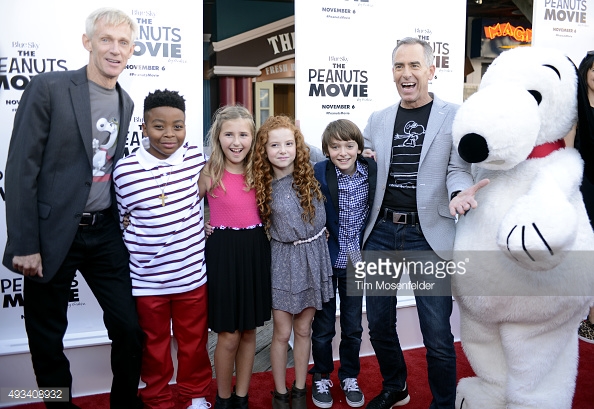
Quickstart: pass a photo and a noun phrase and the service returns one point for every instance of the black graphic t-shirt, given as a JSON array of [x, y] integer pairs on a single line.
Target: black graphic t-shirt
[[409, 134]]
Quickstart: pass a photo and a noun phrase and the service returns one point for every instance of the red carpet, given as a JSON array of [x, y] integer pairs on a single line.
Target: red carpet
[[370, 383]]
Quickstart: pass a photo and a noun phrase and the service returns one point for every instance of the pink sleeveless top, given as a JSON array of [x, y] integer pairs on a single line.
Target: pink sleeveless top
[[233, 207]]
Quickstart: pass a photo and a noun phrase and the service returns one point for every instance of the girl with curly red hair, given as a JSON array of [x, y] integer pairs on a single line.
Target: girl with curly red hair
[[292, 210]]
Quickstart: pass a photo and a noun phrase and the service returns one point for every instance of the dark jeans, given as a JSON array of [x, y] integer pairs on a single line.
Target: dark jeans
[[323, 331], [99, 253], [434, 317]]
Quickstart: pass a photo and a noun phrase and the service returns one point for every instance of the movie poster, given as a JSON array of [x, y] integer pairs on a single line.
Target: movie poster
[[564, 25]]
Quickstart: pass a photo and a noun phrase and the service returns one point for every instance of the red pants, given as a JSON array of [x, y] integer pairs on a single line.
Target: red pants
[[187, 313]]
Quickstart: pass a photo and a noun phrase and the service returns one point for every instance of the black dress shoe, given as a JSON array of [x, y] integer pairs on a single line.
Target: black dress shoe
[[389, 399]]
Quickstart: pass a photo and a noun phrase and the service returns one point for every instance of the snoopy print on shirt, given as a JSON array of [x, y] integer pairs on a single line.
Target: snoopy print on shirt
[[102, 150]]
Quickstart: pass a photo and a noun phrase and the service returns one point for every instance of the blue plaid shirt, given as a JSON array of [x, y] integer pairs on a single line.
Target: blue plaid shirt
[[352, 204]]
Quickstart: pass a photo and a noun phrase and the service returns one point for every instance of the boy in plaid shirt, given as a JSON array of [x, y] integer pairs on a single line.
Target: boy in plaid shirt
[[348, 182]]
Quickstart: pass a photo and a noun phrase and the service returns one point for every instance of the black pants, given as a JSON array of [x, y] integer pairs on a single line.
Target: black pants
[[100, 255]]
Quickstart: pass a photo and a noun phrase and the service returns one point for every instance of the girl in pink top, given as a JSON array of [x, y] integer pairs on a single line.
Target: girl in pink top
[[237, 254]]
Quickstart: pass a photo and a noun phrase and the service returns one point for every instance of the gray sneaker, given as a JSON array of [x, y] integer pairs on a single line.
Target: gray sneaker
[[353, 394], [320, 390]]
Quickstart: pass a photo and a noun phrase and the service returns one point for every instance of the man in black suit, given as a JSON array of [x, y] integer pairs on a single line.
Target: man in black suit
[[69, 131]]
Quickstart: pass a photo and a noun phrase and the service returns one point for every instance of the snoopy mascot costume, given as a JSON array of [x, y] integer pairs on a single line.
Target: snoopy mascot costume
[[527, 248]]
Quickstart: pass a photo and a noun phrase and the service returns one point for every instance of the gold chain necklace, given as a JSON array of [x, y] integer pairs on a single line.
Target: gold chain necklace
[[163, 196]]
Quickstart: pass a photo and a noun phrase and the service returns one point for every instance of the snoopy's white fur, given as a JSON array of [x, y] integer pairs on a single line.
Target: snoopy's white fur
[[520, 301]]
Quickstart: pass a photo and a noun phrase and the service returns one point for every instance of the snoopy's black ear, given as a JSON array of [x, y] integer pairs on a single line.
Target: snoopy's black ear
[[584, 138]]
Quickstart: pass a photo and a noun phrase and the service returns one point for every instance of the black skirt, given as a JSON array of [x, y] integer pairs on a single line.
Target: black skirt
[[239, 287]]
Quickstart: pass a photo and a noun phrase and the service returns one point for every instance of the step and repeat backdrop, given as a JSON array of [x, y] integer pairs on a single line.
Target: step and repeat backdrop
[[344, 55], [38, 36], [343, 70], [343, 51]]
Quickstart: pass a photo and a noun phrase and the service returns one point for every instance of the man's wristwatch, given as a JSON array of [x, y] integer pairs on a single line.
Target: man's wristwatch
[[454, 194]]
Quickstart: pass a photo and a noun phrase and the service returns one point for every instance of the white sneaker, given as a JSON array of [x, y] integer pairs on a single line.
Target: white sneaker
[[199, 403]]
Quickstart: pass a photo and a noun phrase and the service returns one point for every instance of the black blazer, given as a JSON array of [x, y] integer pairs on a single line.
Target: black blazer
[[325, 173], [49, 166]]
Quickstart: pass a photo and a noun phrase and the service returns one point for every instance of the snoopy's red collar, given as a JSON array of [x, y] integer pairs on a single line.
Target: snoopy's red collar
[[545, 149]]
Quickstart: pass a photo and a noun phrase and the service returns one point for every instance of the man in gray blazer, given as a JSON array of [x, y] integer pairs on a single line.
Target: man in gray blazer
[[69, 131], [418, 173]]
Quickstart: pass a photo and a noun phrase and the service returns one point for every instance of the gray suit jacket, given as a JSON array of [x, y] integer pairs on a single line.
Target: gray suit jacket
[[49, 166], [441, 172]]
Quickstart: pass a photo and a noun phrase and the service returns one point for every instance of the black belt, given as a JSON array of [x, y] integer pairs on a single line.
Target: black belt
[[91, 218], [400, 217]]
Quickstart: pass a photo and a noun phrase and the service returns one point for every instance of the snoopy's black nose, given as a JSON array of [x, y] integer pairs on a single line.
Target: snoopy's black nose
[[473, 148]]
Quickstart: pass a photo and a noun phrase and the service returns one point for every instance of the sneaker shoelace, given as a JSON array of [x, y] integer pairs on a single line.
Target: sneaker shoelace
[[323, 385], [203, 405], [350, 385]]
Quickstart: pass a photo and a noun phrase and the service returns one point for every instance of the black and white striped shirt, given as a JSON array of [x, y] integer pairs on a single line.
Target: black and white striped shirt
[[165, 237]]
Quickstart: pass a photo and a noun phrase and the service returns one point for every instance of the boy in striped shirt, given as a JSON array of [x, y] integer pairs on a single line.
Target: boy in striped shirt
[[157, 188]]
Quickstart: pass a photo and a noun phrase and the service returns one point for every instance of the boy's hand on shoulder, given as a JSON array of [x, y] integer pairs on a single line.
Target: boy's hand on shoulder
[[368, 153]]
